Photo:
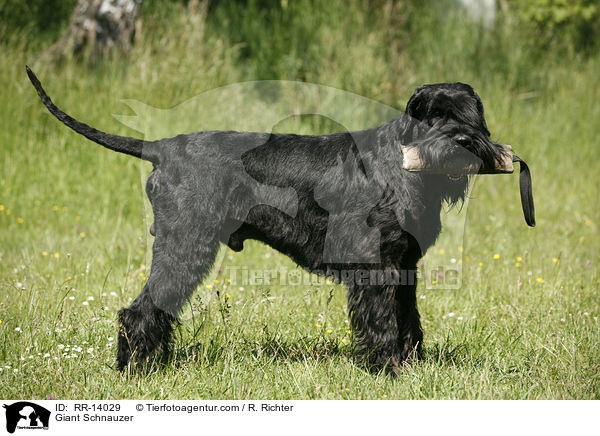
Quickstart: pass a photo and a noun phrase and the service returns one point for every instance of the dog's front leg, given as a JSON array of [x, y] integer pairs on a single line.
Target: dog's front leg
[[386, 324], [409, 323]]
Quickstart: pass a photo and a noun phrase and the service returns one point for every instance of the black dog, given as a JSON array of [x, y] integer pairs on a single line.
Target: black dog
[[213, 187]]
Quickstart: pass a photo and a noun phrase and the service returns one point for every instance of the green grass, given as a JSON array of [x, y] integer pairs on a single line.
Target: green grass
[[77, 226]]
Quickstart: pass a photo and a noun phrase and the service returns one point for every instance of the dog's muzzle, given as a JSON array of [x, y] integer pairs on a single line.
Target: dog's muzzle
[[470, 164]]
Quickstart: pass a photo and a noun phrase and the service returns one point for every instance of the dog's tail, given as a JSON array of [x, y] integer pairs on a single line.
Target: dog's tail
[[122, 144]]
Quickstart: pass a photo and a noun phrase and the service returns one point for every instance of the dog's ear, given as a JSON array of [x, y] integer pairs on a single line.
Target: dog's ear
[[417, 104]]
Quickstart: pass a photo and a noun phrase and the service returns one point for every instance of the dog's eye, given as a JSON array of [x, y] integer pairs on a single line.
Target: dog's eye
[[463, 140]]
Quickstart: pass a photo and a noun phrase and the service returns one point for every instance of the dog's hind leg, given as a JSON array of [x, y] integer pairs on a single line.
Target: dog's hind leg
[[179, 263]]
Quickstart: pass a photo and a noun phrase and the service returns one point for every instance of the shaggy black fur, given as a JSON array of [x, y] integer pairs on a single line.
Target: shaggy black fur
[[213, 187]]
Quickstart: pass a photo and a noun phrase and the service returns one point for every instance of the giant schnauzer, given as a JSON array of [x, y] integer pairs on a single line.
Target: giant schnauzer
[[286, 190]]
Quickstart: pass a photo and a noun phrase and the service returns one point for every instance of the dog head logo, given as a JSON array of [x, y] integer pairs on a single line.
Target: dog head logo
[[26, 415]]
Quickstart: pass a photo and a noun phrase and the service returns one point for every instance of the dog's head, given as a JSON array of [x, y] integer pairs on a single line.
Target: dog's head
[[450, 137]]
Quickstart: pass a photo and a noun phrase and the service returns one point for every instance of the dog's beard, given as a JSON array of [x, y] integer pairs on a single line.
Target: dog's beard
[[456, 190], [449, 188]]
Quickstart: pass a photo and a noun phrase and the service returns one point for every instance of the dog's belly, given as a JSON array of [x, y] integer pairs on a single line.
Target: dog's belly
[[301, 237]]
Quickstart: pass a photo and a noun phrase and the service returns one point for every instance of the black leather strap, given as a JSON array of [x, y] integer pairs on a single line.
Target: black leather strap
[[526, 192]]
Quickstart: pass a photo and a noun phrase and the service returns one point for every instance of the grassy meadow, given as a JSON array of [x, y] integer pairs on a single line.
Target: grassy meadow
[[75, 248]]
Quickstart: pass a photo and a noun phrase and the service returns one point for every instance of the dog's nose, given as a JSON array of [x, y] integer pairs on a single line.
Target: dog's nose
[[463, 140]]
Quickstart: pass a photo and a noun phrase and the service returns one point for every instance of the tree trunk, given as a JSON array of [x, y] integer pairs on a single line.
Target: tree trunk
[[98, 27]]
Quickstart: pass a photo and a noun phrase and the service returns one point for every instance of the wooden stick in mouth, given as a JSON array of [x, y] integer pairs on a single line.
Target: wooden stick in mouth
[[466, 164]]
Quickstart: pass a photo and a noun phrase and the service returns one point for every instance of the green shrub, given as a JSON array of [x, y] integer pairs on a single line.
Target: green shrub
[[573, 25], [47, 17]]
